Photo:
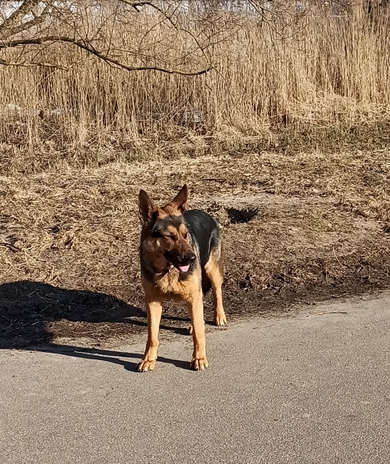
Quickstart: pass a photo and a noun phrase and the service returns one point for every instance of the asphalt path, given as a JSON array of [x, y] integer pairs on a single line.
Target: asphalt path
[[313, 387]]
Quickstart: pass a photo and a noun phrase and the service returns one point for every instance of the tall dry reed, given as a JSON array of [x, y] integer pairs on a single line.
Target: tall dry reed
[[313, 68]]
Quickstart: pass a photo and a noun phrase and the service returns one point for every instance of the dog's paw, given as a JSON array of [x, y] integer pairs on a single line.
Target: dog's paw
[[220, 319], [146, 365], [198, 364]]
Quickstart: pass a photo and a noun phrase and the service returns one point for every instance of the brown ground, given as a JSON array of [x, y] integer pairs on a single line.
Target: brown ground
[[297, 228]]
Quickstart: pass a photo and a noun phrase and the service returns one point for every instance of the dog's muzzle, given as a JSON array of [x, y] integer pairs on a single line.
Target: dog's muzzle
[[185, 265], [181, 262]]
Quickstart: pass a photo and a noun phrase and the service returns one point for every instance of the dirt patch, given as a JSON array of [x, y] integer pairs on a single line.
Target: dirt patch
[[296, 228]]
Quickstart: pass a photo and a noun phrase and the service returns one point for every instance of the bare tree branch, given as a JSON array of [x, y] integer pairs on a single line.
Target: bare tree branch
[[27, 25], [135, 5], [95, 28], [11, 24], [91, 49], [32, 65]]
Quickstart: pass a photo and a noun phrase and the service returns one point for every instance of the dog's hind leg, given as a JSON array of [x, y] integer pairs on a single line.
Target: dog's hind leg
[[214, 273], [154, 310]]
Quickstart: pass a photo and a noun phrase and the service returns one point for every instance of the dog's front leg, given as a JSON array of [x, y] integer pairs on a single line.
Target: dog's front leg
[[195, 307], [154, 310]]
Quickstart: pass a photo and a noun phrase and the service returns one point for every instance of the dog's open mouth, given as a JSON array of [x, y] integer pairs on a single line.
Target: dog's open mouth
[[184, 268]]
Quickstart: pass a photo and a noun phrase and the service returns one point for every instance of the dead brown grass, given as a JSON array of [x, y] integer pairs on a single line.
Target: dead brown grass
[[285, 141], [296, 71], [296, 227]]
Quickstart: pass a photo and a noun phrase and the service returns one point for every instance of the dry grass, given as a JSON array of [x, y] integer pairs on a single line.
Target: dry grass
[[285, 142], [317, 225], [314, 70]]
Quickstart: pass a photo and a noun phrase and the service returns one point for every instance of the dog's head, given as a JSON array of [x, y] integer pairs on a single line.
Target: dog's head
[[165, 237]]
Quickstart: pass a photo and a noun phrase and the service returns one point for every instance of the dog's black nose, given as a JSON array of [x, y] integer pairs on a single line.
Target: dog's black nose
[[188, 259]]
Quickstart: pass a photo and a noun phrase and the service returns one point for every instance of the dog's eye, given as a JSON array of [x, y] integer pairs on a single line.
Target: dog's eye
[[156, 234]]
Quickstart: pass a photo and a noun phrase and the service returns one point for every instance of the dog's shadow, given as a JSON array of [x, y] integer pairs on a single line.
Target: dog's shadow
[[27, 309], [108, 356]]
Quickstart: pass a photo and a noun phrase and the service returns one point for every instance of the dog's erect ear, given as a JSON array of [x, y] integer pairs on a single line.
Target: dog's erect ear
[[145, 205], [180, 201]]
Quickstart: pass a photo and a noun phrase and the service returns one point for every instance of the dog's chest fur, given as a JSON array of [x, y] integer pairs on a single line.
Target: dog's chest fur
[[172, 288]]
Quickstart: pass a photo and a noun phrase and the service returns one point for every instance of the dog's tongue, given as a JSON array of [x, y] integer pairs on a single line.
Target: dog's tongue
[[184, 268]]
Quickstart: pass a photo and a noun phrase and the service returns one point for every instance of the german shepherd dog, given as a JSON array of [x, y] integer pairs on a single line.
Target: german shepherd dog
[[180, 255]]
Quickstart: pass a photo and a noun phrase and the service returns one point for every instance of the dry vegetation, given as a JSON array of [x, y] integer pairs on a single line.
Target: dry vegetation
[[283, 69], [296, 228], [285, 141]]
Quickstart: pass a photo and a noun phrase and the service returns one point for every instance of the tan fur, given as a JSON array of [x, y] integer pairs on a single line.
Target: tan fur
[[167, 286], [214, 273]]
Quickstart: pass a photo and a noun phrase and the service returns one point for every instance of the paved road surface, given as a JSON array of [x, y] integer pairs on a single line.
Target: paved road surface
[[313, 388]]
